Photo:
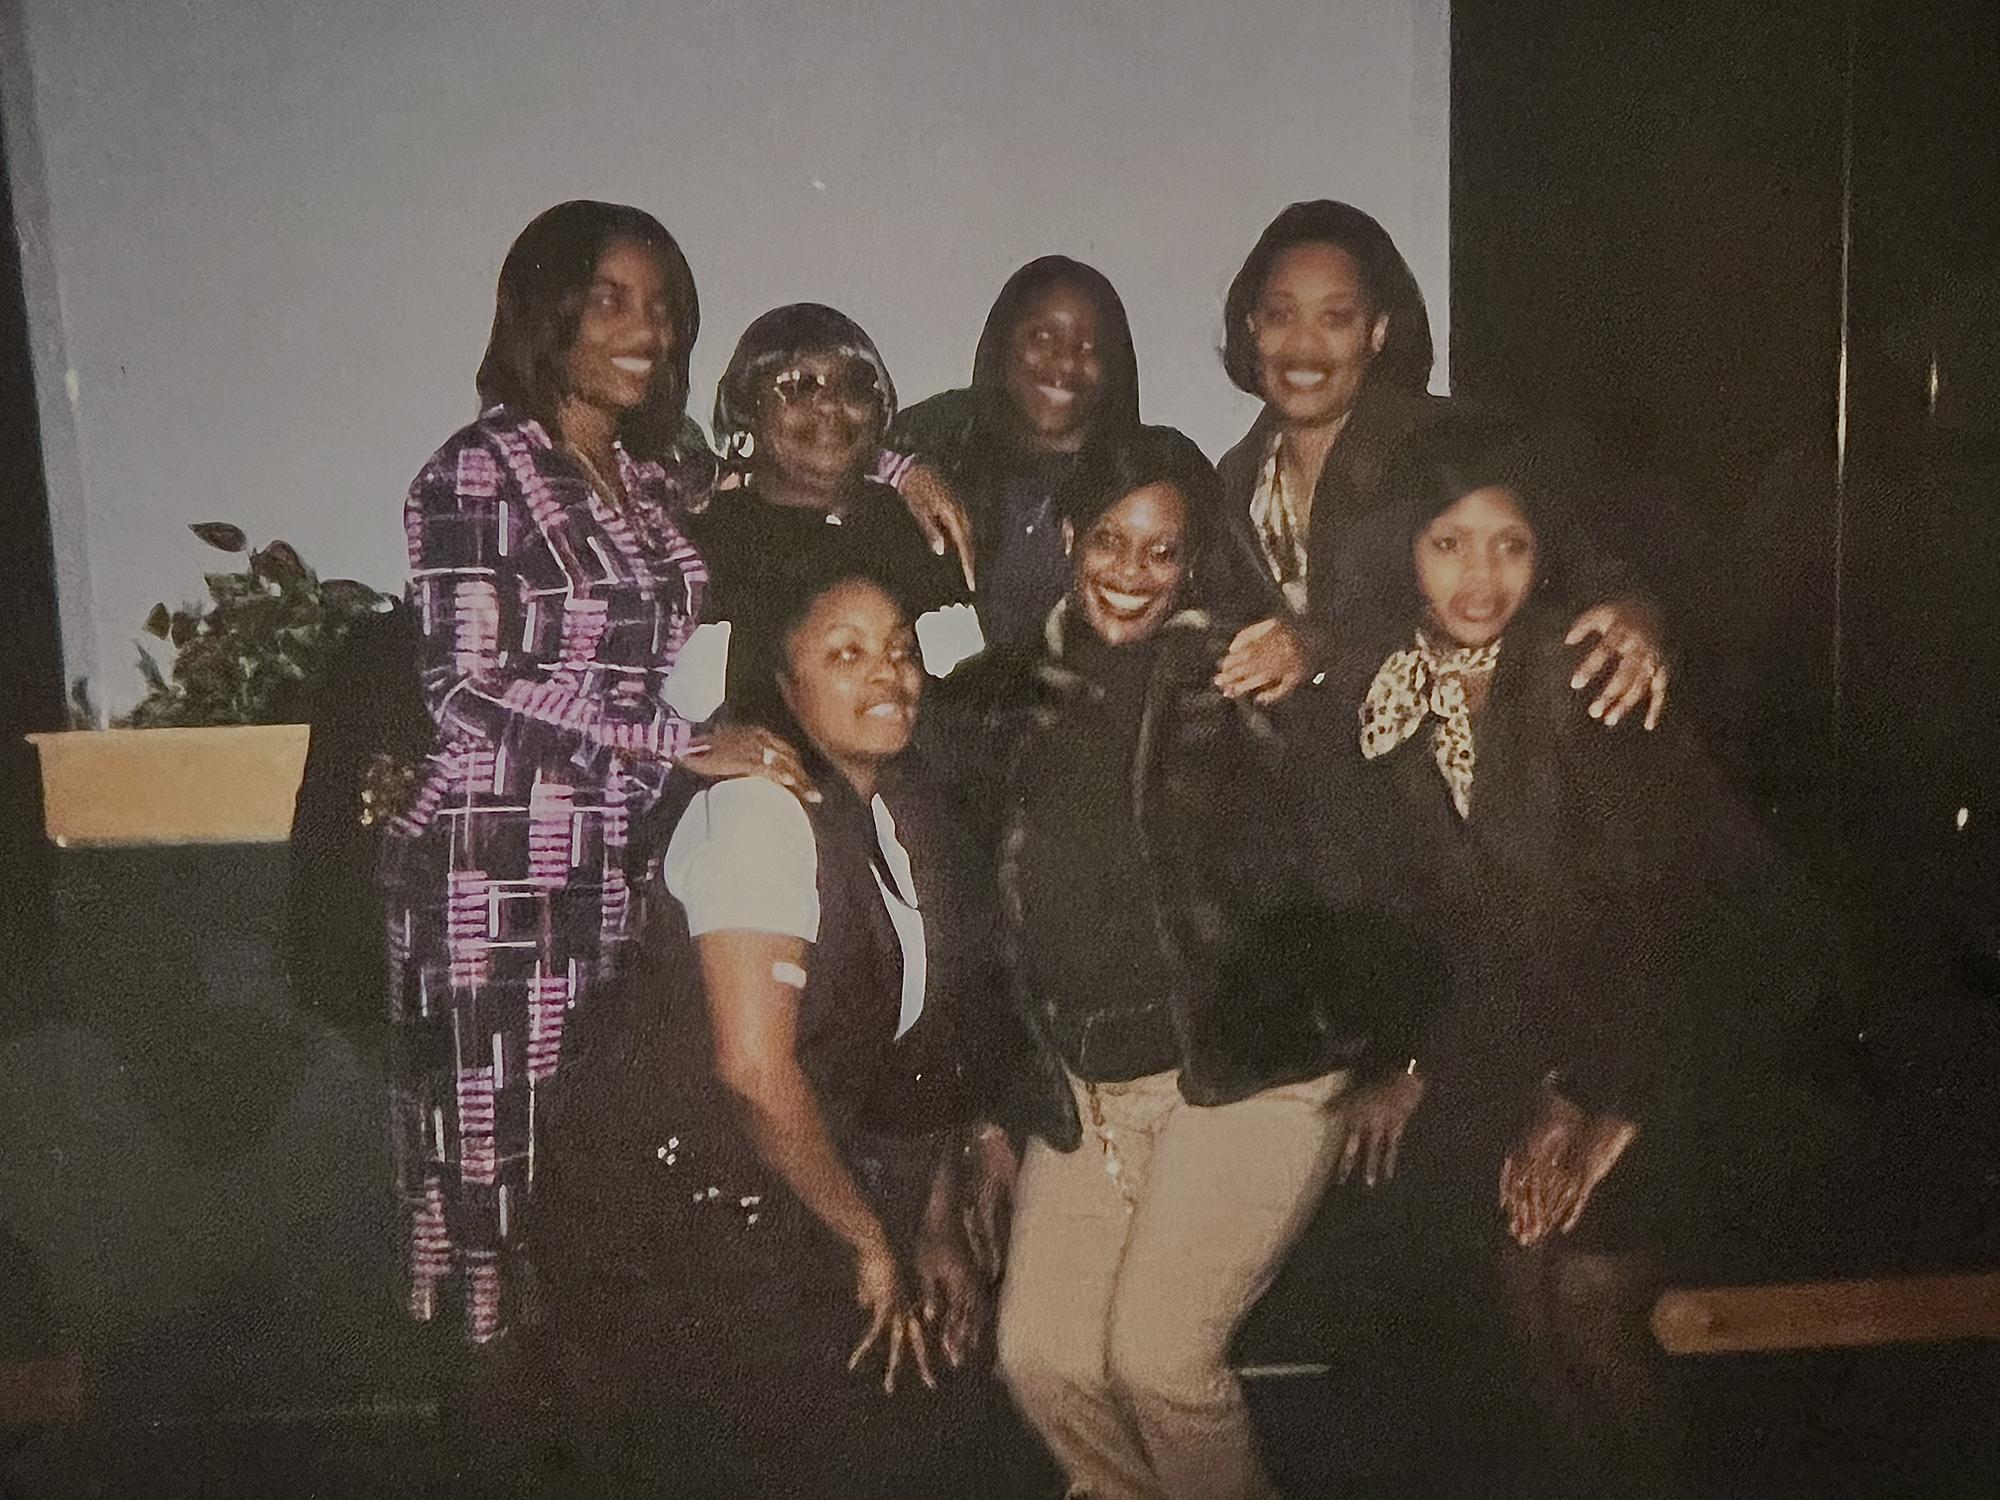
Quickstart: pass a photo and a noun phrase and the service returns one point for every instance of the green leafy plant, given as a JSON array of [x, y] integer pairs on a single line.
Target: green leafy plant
[[250, 652]]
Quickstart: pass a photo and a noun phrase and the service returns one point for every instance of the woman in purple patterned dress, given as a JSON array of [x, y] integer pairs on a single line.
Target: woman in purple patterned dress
[[552, 588]]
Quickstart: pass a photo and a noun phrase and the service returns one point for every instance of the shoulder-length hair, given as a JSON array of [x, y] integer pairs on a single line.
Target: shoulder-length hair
[[544, 283], [1117, 410], [1386, 278], [1144, 457]]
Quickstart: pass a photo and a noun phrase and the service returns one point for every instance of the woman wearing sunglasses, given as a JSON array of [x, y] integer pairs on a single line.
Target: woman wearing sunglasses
[[799, 415]]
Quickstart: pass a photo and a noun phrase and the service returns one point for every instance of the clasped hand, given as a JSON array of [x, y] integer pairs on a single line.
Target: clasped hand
[[893, 1323], [1556, 1164], [952, 1305]]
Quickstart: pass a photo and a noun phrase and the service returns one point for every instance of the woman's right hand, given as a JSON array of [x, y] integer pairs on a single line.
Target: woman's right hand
[[956, 1302], [732, 750], [893, 1321], [1267, 661], [940, 514]]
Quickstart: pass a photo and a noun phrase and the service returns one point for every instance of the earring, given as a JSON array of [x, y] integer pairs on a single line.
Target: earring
[[742, 443]]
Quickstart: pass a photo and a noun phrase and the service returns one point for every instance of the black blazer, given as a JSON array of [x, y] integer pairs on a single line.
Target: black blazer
[[1601, 886], [1352, 513]]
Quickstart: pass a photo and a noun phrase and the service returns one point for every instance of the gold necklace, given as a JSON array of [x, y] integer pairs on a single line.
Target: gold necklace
[[611, 494]]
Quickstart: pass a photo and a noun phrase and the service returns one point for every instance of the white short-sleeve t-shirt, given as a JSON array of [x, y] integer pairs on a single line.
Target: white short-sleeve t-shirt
[[743, 859]]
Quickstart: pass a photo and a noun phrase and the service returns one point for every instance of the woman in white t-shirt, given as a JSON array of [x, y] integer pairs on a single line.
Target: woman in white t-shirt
[[761, 1286]]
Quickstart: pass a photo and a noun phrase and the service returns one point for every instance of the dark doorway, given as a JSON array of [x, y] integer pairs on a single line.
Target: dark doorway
[[31, 692]]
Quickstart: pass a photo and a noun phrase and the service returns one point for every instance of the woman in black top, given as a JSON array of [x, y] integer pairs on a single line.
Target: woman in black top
[[1055, 384], [1492, 812], [1325, 323], [799, 415], [756, 1139], [1184, 1108]]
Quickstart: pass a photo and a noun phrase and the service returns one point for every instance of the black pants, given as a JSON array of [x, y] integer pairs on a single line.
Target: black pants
[[713, 1362]]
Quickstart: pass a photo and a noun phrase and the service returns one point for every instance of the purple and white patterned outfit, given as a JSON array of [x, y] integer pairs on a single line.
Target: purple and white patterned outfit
[[549, 623]]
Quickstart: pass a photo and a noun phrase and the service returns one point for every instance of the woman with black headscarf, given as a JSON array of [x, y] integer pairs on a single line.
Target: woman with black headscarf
[[1055, 383], [799, 416]]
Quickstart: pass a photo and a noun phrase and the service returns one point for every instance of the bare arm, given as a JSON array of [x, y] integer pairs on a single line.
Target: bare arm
[[754, 1018], [753, 1014]]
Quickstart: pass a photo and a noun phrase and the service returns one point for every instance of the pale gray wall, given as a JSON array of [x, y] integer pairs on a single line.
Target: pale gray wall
[[260, 236]]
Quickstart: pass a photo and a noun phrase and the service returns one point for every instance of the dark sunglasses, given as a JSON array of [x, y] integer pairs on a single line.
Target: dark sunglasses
[[850, 385]]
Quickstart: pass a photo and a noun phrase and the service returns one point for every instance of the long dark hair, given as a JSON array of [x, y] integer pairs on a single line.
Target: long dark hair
[[543, 286], [1391, 287], [997, 423]]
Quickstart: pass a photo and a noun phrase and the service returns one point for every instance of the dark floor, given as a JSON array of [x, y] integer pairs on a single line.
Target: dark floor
[[1907, 1423], [191, 1197]]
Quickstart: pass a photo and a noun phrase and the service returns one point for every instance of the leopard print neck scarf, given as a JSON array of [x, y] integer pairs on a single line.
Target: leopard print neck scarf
[[1421, 683]]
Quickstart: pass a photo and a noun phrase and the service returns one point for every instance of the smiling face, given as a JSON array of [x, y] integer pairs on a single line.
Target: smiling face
[[1055, 375], [625, 333], [1317, 332], [852, 677], [1127, 569], [1476, 565], [819, 422]]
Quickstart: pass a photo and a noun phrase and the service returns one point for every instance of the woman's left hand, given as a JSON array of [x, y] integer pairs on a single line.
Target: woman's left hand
[[1555, 1166], [731, 750], [1630, 647], [1267, 659], [951, 1295], [941, 515], [1370, 1122]]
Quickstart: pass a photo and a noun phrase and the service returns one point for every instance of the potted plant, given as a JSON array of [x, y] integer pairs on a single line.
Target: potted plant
[[213, 752]]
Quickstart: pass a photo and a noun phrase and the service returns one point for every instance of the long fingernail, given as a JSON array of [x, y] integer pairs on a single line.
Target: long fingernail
[[1597, 710]]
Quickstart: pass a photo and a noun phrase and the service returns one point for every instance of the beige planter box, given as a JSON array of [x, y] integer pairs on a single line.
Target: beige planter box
[[232, 785]]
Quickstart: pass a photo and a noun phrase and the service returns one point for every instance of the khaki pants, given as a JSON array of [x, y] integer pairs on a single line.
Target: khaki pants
[[1124, 1287]]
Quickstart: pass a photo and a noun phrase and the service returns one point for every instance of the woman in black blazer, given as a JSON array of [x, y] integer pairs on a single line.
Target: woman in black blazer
[[1610, 916]]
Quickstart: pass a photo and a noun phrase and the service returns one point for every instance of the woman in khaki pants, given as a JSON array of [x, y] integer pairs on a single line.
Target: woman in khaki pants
[[1186, 1106]]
